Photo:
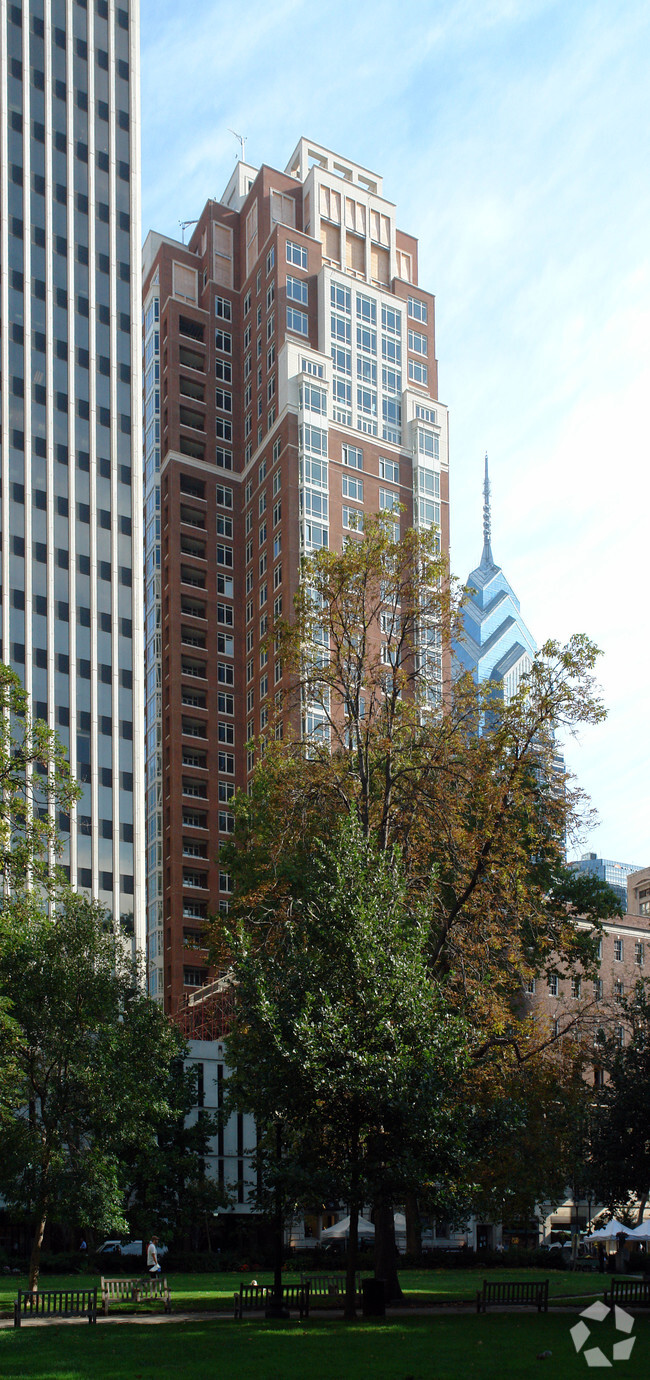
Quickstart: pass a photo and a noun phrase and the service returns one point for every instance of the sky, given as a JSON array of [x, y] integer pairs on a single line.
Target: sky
[[514, 138]]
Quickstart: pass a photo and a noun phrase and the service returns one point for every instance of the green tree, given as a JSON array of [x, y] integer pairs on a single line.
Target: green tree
[[382, 737], [93, 1057], [169, 1181], [340, 1038], [35, 781]]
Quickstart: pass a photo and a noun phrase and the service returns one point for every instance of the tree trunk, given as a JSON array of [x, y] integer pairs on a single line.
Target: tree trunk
[[37, 1242], [413, 1225], [386, 1251], [642, 1203], [350, 1310]]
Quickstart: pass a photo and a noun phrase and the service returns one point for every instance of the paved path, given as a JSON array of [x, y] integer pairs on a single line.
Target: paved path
[[571, 1303]]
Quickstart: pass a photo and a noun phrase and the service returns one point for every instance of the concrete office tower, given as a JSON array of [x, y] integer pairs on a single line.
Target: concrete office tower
[[70, 304], [496, 645], [290, 386]]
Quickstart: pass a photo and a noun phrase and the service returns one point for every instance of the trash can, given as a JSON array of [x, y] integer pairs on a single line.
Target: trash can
[[374, 1298]]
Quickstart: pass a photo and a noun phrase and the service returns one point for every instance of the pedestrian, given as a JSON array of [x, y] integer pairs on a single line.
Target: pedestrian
[[153, 1265]]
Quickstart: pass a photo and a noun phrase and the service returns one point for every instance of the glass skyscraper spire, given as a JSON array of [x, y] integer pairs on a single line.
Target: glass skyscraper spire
[[70, 359]]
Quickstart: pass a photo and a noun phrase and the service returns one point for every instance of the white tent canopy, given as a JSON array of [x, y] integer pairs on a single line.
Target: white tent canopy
[[608, 1233], [642, 1232], [342, 1228]]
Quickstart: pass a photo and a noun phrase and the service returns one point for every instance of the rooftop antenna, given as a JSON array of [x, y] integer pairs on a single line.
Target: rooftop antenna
[[184, 224], [486, 558], [242, 140]]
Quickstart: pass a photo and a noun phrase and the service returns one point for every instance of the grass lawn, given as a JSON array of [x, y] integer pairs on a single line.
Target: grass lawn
[[215, 1292], [481, 1348]]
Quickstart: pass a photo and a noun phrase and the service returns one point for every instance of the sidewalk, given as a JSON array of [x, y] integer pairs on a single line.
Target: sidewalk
[[572, 1302]]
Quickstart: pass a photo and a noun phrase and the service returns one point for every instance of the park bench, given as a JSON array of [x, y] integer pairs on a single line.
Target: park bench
[[254, 1297], [330, 1287], [55, 1303], [628, 1293], [506, 1295], [135, 1291]]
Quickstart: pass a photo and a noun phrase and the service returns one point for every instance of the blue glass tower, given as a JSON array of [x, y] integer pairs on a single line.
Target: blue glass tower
[[496, 645]]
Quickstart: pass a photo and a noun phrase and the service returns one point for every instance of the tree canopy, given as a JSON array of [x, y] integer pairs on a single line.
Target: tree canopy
[[342, 1038], [91, 1056]]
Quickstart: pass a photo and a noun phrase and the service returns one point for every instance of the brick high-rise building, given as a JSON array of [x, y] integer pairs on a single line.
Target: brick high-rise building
[[290, 385], [70, 359]]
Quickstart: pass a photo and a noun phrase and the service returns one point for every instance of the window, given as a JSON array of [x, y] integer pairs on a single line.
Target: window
[[638, 952], [225, 703], [296, 254], [618, 950], [224, 555], [223, 400], [270, 296], [225, 585], [277, 576], [391, 320], [226, 763], [428, 444], [388, 500], [619, 988], [222, 307], [283, 209], [247, 302], [351, 487], [598, 989], [223, 341], [297, 290], [352, 519], [223, 370], [426, 414], [418, 343], [297, 321], [224, 496], [277, 512], [576, 985], [417, 310], [389, 469], [352, 456], [418, 373], [270, 259], [553, 986], [225, 615], [530, 987]]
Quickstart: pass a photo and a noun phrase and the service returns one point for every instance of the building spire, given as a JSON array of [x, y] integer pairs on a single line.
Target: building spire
[[486, 558]]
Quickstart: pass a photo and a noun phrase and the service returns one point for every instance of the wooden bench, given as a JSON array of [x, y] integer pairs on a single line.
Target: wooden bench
[[628, 1293], [254, 1297], [531, 1292], [330, 1287], [55, 1303], [135, 1291]]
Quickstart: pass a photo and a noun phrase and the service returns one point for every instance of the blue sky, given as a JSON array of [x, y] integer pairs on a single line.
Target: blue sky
[[515, 140]]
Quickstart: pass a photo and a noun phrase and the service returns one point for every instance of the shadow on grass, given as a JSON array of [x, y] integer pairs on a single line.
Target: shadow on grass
[[483, 1348]]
